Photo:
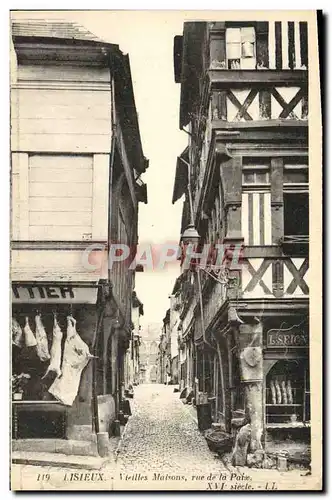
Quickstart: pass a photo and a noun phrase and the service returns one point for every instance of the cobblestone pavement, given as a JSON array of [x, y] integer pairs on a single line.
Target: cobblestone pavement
[[162, 435], [161, 449]]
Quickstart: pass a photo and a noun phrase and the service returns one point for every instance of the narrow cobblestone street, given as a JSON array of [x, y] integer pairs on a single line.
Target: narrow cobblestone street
[[161, 449], [162, 436]]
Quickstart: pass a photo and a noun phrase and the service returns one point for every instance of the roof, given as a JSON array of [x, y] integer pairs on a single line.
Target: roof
[[51, 28]]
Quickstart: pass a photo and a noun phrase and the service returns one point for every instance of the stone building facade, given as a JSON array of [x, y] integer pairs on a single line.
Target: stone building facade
[[76, 166]]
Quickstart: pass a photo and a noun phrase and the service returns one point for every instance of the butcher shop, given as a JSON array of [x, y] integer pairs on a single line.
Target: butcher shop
[[53, 328]]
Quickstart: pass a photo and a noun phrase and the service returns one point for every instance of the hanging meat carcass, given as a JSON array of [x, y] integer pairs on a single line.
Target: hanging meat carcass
[[55, 362], [30, 339], [17, 334], [41, 338], [76, 356]]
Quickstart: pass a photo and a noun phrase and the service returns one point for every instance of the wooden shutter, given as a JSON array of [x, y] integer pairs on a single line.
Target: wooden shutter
[[262, 44]]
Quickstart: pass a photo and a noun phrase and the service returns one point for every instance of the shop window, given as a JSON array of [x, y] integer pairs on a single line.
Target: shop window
[[36, 413], [296, 214], [241, 48], [288, 393]]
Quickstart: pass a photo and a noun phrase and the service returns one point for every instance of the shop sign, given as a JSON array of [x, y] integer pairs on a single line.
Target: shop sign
[[291, 337], [52, 294]]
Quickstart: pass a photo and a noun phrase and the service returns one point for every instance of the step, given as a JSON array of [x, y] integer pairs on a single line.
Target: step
[[59, 460], [64, 446]]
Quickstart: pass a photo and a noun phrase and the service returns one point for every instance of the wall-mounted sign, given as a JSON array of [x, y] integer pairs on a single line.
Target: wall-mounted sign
[[52, 294], [290, 337]]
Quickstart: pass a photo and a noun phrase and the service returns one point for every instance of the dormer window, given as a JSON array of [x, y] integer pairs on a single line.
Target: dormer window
[[241, 48]]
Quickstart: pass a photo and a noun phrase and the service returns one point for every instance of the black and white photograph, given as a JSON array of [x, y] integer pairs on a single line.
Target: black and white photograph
[[165, 250]]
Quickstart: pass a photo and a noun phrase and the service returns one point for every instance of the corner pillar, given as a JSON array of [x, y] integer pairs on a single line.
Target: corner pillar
[[248, 448]]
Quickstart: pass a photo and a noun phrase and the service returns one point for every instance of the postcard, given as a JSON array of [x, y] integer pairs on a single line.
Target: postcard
[[166, 241]]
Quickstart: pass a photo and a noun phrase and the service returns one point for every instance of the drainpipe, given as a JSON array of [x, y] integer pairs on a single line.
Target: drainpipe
[[102, 437], [112, 157], [95, 414]]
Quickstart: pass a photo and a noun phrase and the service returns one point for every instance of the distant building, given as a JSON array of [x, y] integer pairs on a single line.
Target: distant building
[[132, 362], [149, 353], [169, 351]]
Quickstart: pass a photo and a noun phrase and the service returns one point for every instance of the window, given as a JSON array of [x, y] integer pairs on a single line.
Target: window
[[256, 171], [288, 393], [295, 175], [258, 176], [296, 201], [296, 214], [241, 48]]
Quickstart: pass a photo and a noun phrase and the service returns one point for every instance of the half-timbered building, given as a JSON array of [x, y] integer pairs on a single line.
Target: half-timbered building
[[244, 177]]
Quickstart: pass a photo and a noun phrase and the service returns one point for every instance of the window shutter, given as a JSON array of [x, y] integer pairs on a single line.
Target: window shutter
[[304, 43], [262, 44], [278, 48], [233, 44]]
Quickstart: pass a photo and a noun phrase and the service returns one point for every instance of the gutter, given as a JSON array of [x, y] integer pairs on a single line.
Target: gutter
[[102, 438]]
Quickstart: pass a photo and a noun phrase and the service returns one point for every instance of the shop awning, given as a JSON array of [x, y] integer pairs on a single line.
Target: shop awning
[[181, 175]]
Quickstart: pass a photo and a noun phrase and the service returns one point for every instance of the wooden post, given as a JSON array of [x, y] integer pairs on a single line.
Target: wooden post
[[248, 446], [277, 218]]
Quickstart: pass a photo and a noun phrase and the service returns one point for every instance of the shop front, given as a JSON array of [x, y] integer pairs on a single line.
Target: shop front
[[53, 336], [287, 386], [268, 386]]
